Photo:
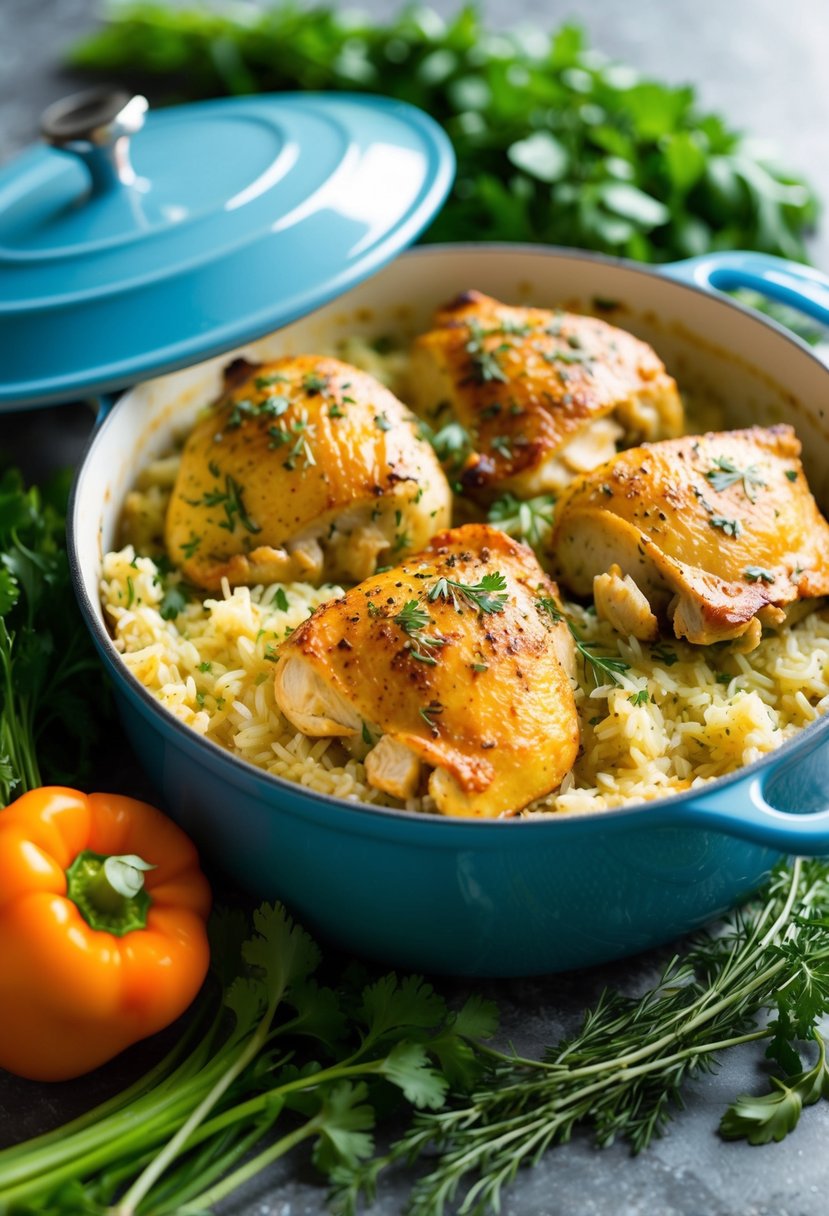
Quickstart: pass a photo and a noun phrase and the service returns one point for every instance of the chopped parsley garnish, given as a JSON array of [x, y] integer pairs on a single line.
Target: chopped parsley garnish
[[336, 412], [756, 574], [530, 520], [731, 527], [485, 365], [300, 430], [367, 736], [382, 422], [130, 592], [663, 655], [723, 677], [205, 666], [174, 601], [566, 356], [791, 474], [280, 600], [639, 698], [488, 595], [725, 473], [231, 499], [480, 666], [452, 443], [271, 407], [263, 382], [314, 383], [190, 546]]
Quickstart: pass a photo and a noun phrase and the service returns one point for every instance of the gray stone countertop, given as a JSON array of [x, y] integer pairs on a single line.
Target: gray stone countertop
[[762, 64]]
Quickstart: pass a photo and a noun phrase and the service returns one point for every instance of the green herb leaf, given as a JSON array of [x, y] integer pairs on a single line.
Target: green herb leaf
[[487, 596]]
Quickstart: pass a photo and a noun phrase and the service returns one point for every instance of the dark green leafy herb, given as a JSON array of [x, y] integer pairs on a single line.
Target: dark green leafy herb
[[484, 362], [271, 1060], [452, 443], [663, 655], [756, 574], [580, 154], [53, 695], [313, 383], [280, 599], [725, 473], [731, 527], [413, 619], [791, 474], [622, 1075], [639, 698], [488, 595], [190, 547], [301, 431], [174, 601], [231, 499]]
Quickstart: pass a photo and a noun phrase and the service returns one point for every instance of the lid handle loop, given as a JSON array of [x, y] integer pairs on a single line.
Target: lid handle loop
[[96, 126]]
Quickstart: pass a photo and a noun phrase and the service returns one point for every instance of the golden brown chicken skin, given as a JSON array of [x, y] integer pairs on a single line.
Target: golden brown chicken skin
[[308, 469], [544, 395], [718, 532], [457, 660]]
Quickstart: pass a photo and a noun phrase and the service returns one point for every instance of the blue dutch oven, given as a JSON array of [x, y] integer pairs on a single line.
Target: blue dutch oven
[[498, 898]]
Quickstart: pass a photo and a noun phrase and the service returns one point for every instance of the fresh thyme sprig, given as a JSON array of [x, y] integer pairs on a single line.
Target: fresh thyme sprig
[[488, 595], [413, 619], [622, 1074], [611, 667]]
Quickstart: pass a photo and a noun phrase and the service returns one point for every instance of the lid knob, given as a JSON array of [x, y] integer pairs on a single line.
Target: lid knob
[[96, 125]]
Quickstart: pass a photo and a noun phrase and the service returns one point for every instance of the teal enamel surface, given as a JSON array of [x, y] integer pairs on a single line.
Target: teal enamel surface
[[800, 287], [477, 897], [245, 214]]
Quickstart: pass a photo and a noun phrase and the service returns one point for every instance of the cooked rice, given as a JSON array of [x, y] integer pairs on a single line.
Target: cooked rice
[[709, 711]]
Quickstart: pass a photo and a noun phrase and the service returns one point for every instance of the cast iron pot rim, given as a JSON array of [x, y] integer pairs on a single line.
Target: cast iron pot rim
[[656, 809]]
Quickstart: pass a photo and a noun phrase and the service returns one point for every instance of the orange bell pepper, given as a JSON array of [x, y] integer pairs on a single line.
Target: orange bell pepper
[[97, 949]]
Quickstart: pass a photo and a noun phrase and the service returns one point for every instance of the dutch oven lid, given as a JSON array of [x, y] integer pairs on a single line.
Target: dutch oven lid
[[138, 243]]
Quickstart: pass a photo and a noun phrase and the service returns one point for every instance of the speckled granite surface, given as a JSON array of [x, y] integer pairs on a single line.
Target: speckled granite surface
[[763, 63]]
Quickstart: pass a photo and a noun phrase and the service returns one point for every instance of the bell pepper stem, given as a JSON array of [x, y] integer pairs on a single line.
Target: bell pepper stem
[[109, 891]]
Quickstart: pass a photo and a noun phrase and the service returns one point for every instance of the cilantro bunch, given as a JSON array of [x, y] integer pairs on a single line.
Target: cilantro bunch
[[271, 1060], [554, 143]]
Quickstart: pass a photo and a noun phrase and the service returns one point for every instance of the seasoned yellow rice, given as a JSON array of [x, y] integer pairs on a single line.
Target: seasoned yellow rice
[[709, 711]]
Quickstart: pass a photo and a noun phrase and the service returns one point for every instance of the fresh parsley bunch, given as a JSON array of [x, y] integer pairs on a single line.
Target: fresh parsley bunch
[[554, 143], [53, 693]]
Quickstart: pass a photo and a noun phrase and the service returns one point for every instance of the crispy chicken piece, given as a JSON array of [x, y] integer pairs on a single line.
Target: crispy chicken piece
[[718, 532], [544, 395], [309, 469], [457, 659]]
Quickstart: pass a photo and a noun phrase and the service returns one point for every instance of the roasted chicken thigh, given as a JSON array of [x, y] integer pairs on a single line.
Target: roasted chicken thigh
[[544, 396], [718, 532], [457, 661], [308, 469]]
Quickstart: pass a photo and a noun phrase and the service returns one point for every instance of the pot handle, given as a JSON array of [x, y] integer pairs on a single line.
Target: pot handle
[[790, 283], [755, 808]]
